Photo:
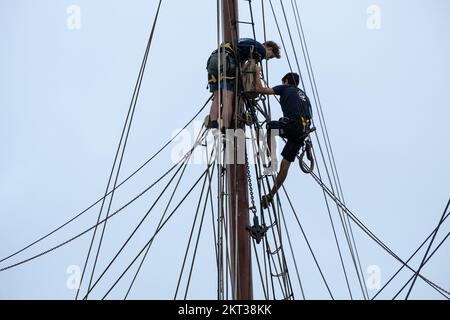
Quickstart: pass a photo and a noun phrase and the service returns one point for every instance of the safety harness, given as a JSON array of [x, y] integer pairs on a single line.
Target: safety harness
[[307, 148], [228, 57]]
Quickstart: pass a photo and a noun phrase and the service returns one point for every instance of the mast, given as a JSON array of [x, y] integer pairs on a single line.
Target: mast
[[241, 269]]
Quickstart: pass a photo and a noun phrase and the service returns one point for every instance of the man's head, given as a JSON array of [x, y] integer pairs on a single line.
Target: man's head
[[272, 50], [291, 78]]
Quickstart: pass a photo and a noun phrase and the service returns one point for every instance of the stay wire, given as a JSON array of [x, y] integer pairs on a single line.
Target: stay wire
[[151, 239], [132, 107], [278, 246], [292, 44], [255, 251], [308, 244], [293, 257], [368, 231], [409, 259], [329, 150], [192, 231], [197, 241], [441, 220], [284, 46], [159, 223], [99, 200], [138, 226], [91, 228], [256, 152], [333, 226], [344, 221], [425, 262], [280, 34], [355, 259]]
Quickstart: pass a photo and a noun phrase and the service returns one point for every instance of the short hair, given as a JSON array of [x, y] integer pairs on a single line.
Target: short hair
[[292, 78], [275, 48]]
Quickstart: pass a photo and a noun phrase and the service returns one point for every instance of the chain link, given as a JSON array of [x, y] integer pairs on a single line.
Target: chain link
[[250, 185]]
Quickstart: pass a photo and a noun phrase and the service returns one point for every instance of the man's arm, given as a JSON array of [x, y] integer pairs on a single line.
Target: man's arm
[[259, 87]]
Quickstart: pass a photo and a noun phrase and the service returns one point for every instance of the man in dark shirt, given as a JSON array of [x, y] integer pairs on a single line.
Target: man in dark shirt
[[247, 49], [296, 119]]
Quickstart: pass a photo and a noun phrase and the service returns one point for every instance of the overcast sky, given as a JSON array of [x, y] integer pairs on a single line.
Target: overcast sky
[[65, 91]]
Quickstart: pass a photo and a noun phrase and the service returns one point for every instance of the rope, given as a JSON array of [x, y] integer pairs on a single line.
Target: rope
[[192, 230], [327, 139], [428, 249], [159, 224], [409, 259], [133, 104], [267, 111], [266, 295], [197, 242], [118, 186], [344, 225], [308, 244], [367, 230], [282, 260], [100, 222], [150, 241], [281, 35], [292, 44], [140, 223], [293, 257], [429, 257]]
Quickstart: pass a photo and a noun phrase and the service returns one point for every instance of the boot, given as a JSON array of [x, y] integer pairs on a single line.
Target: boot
[[266, 201]]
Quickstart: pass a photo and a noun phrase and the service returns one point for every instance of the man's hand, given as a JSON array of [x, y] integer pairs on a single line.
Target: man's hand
[[259, 86]]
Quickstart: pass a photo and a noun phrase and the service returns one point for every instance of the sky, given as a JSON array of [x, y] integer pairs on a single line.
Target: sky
[[65, 89]]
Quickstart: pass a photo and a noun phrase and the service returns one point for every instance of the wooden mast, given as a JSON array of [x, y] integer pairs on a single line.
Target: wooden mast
[[241, 268]]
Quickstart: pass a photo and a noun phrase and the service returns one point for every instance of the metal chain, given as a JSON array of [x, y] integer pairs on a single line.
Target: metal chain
[[250, 186]]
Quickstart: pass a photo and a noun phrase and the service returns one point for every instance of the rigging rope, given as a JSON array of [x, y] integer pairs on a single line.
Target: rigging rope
[[149, 241], [441, 220], [193, 225], [181, 161], [352, 246], [159, 224], [132, 108], [367, 230], [118, 186], [142, 220], [409, 259], [425, 262]]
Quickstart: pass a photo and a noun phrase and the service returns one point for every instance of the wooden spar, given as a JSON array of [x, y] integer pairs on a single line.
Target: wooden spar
[[241, 268]]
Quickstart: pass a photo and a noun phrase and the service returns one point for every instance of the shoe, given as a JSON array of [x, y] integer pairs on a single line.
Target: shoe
[[266, 201], [268, 171], [271, 169], [213, 125]]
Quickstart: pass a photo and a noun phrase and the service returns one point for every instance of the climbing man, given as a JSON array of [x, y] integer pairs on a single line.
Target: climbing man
[[247, 49], [293, 126]]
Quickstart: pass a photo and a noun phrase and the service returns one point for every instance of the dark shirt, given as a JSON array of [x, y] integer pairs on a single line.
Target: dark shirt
[[246, 46], [294, 102]]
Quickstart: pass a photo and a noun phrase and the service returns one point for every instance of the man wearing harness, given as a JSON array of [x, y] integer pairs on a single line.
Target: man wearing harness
[[293, 126], [247, 49]]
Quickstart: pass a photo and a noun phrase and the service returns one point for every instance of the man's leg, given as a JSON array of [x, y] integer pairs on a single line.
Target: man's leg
[[214, 111], [272, 132], [271, 142], [281, 177], [289, 154], [227, 111]]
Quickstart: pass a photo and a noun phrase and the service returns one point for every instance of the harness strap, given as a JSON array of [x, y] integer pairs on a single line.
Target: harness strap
[[227, 46]]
